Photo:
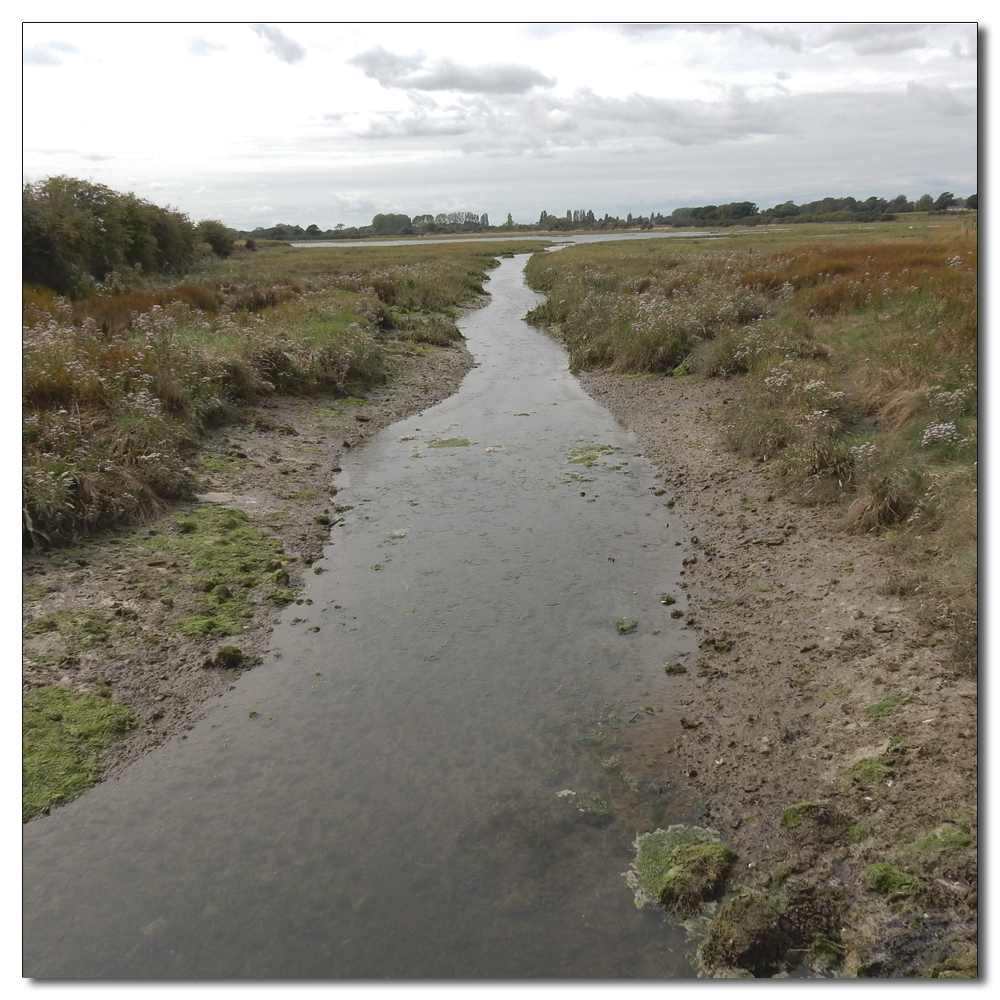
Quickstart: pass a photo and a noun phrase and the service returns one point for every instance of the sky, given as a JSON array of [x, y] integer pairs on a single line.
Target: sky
[[258, 123]]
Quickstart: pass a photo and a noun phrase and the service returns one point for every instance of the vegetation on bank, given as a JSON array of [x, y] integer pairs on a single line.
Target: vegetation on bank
[[76, 235], [122, 378], [63, 737], [119, 384], [858, 355]]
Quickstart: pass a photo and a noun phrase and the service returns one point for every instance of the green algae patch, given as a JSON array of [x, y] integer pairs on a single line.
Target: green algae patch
[[888, 880], [86, 628], [867, 771], [946, 837], [885, 706], [589, 455], [73, 630], [626, 626], [226, 621], [818, 820], [220, 555], [62, 739], [450, 443], [679, 868]]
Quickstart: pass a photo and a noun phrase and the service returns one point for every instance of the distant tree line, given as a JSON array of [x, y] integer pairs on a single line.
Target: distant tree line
[[388, 224], [75, 234], [737, 213]]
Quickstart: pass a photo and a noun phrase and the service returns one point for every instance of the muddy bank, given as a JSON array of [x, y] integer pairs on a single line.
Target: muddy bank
[[814, 683], [103, 617]]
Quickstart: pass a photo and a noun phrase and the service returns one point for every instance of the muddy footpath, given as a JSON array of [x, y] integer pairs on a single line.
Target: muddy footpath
[[824, 726]]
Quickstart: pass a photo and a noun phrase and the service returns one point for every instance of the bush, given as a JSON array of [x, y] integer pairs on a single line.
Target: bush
[[218, 236]]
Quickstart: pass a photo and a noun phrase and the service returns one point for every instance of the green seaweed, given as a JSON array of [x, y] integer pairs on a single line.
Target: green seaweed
[[679, 868], [63, 737], [450, 443], [888, 880], [867, 771]]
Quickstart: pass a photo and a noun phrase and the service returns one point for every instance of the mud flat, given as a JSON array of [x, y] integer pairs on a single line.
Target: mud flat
[[825, 723], [100, 617]]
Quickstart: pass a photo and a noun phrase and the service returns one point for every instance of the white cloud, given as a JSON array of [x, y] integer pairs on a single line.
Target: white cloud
[[45, 53], [407, 72], [202, 47], [279, 44]]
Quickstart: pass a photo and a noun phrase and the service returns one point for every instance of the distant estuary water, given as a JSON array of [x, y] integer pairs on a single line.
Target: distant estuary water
[[420, 780]]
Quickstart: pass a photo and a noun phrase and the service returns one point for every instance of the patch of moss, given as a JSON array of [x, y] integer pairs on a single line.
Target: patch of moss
[[63, 737], [227, 620], [945, 838], [84, 628], [626, 626], [885, 706], [825, 822], [679, 868], [889, 880], [222, 463], [867, 771], [220, 553]]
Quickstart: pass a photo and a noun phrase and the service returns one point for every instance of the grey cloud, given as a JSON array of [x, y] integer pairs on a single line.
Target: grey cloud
[[203, 47], [385, 66], [391, 125], [779, 37], [97, 157], [279, 44], [865, 38], [408, 73], [44, 53], [785, 38], [875, 39], [541, 123], [940, 100]]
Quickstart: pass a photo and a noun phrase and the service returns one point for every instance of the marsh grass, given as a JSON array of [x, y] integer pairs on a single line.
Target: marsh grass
[[119, 387], [857, 353]]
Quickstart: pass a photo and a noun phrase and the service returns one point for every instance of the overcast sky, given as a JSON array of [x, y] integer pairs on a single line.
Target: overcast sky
[[260, 123]]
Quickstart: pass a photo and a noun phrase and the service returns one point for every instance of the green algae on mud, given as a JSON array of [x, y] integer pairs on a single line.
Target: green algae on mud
[[589, 454], [63, 737], [221, 554], [679, 868], [450, 443]]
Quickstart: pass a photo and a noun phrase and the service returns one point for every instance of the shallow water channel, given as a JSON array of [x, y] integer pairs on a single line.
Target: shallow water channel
[[388, 794]]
